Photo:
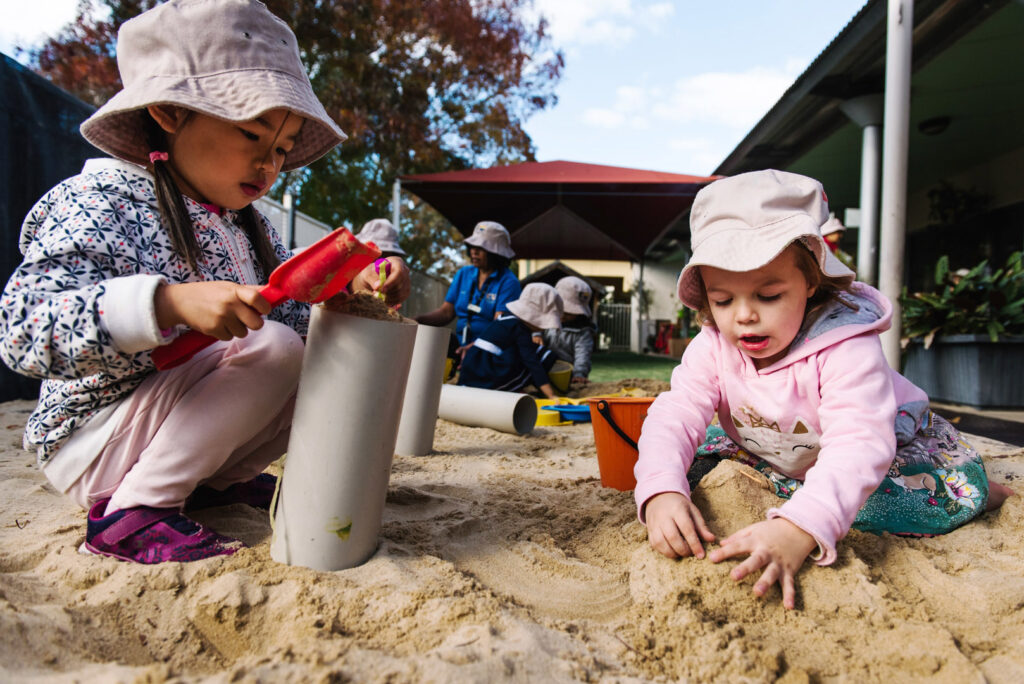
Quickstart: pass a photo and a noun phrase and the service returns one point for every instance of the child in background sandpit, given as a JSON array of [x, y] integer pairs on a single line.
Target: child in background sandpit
[[381, 233], [574, 340], [120, 258], [789, 357], [505, 356]]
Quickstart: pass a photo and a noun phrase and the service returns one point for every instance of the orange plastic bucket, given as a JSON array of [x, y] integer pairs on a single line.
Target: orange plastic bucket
[[617, 422]]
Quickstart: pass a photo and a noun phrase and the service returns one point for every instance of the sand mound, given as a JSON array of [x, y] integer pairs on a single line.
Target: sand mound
[[502, 559]]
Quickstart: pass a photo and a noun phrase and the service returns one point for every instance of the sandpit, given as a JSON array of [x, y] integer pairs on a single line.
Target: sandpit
[[502, 560]]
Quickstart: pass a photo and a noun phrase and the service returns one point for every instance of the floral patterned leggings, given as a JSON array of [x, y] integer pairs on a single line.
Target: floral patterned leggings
[[936, 483]]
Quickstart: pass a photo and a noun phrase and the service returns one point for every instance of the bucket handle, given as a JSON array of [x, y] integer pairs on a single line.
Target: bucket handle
[[602, 408]]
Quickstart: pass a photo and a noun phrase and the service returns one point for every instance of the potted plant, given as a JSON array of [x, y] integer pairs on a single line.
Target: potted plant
[[964, 341]]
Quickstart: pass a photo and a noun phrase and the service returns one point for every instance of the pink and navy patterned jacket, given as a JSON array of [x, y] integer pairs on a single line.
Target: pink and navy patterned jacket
[[79, 311]]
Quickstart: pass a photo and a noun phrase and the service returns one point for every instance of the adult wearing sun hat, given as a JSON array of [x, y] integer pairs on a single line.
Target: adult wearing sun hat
[[480, 290], [505, 357]]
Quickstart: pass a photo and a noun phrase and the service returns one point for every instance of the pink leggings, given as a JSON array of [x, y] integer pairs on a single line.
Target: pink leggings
[[219, 419]]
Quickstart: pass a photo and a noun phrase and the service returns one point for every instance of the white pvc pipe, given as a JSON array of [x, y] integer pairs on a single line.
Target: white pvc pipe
[[503, 411], [899, 40], [349, 401], [423, 391]]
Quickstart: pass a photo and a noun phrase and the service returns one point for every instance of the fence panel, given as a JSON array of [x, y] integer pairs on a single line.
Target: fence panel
[[613, 326]]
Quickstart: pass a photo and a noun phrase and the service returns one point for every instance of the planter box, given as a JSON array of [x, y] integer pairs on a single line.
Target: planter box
[[676, 345], [969, 369]]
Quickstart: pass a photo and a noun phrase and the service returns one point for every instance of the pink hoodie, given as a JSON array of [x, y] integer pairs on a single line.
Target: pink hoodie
[[824, 414]]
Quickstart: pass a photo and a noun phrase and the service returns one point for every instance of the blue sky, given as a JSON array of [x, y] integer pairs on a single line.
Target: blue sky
[[651, 84]]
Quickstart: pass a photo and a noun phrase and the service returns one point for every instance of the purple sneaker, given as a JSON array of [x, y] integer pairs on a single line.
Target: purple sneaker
[[257, 492], [152, 535]]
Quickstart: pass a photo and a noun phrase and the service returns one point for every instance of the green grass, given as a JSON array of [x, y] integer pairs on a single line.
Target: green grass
[[609, 366]]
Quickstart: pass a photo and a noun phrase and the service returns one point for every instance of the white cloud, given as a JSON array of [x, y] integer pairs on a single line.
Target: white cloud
[[738, 100], [661, 10], [26, 26], [701, 155], [654, 18], [603, 118], [589, 22], [629, 110]]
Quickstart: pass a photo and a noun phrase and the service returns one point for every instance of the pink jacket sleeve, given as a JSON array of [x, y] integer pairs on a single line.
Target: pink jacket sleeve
[[676, 424], [858, 442]]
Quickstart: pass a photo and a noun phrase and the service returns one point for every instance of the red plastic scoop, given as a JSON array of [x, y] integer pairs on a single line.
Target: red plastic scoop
[[316, 273]]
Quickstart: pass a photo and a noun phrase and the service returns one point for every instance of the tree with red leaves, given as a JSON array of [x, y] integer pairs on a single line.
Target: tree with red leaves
[[419, 85]]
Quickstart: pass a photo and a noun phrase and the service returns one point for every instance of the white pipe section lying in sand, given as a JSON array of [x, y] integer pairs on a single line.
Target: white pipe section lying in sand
[[423, 392], [349, 401], [504, 411]]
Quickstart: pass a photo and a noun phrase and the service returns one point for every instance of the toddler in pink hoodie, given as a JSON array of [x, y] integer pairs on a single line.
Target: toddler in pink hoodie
[[789, 358]]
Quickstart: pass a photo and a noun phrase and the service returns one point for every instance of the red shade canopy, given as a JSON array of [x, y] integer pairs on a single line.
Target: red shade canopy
[[564, 210]]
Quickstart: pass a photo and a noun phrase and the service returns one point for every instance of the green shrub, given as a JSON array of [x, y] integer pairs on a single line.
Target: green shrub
[[974, 301]]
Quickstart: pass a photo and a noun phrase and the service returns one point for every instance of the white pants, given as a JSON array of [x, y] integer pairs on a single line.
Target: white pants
[[218, 419]]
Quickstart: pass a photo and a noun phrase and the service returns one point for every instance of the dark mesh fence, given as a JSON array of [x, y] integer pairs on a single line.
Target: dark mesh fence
[[41, 147]]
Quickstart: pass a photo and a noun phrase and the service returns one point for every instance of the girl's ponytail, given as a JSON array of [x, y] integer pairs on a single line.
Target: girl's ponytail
[[253, 228], [173, 211], [175, 216]]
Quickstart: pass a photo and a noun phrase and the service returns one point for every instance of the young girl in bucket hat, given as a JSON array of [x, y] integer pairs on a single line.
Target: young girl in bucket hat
[[121, 258], [789, 358], [381, 233], [505, 356], [574, 340]]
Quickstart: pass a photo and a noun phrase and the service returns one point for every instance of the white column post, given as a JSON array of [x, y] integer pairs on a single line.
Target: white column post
[[870, 190], [866, 112], [396, 204], [288, 201], [892, 246]]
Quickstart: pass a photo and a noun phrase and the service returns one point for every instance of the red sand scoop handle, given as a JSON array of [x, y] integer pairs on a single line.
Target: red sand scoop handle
[[313, 275]]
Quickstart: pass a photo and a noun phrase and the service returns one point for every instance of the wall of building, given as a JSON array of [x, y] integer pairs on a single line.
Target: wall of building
[[659, 278], [999, 178]]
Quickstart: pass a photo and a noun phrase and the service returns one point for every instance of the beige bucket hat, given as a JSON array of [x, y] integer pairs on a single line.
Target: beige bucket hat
[[492, 237], [743, 222], [539, 305], [381, 233], [575, 294], [833, 225], [230, 59]]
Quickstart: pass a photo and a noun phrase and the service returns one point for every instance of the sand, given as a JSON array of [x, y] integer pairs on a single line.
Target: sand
[[502, 559]]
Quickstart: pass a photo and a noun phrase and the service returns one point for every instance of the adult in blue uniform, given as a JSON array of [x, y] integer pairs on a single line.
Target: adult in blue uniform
[[480, 290]]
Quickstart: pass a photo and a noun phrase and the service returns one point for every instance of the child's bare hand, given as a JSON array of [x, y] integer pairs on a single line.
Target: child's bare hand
[[396, 287], [675, 526], [219, 308], [778, 546]]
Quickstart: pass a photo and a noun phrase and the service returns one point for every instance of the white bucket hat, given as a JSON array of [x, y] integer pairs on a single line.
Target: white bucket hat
[[539, 305], [575, 294], [833, 225], [381, 233], [492, 237], [743, 222], [229, 59]]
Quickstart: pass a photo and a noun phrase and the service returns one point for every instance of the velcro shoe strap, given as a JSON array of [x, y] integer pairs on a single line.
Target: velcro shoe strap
[[133, 521]]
